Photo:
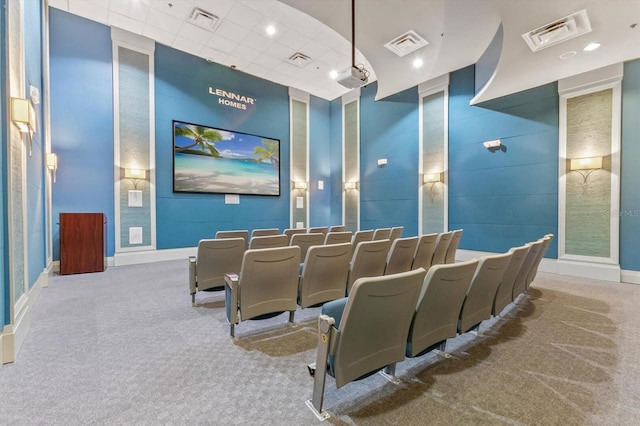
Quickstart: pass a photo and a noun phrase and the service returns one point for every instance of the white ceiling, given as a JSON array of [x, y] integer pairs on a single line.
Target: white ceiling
[[458, 33]]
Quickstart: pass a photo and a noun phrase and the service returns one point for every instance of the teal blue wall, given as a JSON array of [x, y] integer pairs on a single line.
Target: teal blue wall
[[320, 162], [81, 119], [335, 126], [630, 177], [508, 197], [389, 129], [36, 189], [4, 244]]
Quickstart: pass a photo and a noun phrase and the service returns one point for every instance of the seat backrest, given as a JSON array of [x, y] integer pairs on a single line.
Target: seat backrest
[[264, 232], [439, 303], [269, 281], [338, 237], [234, 234], [304, 241], [536, 264], [369, 260], [268, 241], [482, 290], [319, 230], [504, 295], [442, 245], [450, 257], [396, 232], [374, 326], [520, 284], [217, 257], [401, 255], [361, 236], [424, 251], [381, 234], [291, 232], [337, 228], [324, 274]]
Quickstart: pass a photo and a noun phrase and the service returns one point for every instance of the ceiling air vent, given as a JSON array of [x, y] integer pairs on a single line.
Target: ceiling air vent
[[203, 19], [558, 31], [406, 43], [299, 59]]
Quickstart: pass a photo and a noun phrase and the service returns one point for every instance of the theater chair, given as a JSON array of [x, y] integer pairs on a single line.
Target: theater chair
[[424, 251], [305, 241], [234, 234], [324, 274], [369, 260], [338, 237], [381, 234], [266, 286], [504, 295], [364, 333], [337, 228], [264, 232], [546, 242], [268, 241], [396, 232], [291, 232], [401, 255], [214, 258], [520, 284], [442, 245], [450, 257]]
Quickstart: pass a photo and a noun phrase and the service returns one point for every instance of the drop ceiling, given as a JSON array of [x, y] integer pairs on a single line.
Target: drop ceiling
[[457, 32]]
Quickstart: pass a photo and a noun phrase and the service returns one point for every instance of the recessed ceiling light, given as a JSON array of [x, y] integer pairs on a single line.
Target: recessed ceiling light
[[591, 46], [333, 74], [271, 30], [417, 62], [567, 55]]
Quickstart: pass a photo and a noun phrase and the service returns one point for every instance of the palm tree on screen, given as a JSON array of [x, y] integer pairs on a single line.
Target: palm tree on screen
[[269, 151], [203, 137]]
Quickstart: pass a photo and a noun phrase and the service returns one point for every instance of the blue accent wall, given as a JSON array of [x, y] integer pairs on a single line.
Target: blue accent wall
[[320, 162], [36, 189], [4, 244], [335, 112], [630, 172], [81, 119], [182, 93], [389, 129], [508, 197]]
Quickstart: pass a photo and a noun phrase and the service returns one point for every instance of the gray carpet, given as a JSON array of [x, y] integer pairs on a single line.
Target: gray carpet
[[126, 347]]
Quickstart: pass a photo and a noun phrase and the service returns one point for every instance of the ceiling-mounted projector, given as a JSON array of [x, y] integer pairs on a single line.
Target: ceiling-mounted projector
[[353, 77]]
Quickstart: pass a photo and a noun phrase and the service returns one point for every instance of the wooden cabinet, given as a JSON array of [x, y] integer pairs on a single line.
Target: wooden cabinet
[[83, 243]]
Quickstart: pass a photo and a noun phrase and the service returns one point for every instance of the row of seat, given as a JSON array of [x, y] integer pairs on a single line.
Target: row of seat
[[385, 319]]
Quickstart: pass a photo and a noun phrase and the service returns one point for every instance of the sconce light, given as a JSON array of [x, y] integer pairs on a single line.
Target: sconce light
[[24, 117], [52, 163], [135, 175], [492, 145], [585, 166], [431, 179], [348, 186], [300, 185]]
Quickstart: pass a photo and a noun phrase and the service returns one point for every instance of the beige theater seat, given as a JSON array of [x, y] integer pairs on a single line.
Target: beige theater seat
[[234, 234], [324, 274], [381, 234], [337, 228], [338, 237], [267, 283], [319, 230], [369, 260], [482, 291], [436, 316], [546, 242], [520, 284], [424, 251], [504, 295], [442, 245], [450, 257], [268, 241], [396, 232], [264, 232], [214, 258], [401, 255], [364, 333], [305, 241], [291, 232], [361, 236]]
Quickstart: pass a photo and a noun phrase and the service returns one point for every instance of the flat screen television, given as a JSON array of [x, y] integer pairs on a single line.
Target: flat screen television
[[219, 161]]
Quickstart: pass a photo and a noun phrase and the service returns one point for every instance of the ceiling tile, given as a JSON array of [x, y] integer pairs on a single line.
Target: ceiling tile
[[256, 69], [293, 39], [187, 45], [232, 30], [167, 22], [244, 16], [267, 61], [279, 51], [60, 4], [101, 3], [132, 9], [159, 35], [124, 22], [89, 11], [220, 8], [247, 53], [238, 62], [178, 8], [288, 69], [222, 44], [213, 55], [257, 41], [195, 33], [315, 49]]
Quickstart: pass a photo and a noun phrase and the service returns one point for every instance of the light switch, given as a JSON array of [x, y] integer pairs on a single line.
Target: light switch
[[320, 185]]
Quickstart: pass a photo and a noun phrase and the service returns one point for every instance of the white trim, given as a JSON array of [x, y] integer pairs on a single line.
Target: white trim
[[46, 126], [598, 271], [351, 96], [609, 77], [299, 95], [347, 99], [55, 265], [434, 85], [133, 41], [116, 143], [631, 277], [121, 259]]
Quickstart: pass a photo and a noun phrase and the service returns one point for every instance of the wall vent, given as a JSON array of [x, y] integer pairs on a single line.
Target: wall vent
[[203, 19], [406, 43], [299, 59], [558, 31]]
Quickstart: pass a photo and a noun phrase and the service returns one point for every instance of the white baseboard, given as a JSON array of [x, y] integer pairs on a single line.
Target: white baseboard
[[597, 271], [148, 256], [55, 265], [1, 348]]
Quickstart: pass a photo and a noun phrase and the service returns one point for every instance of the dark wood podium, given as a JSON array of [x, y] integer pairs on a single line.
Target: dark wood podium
[[83, 243]]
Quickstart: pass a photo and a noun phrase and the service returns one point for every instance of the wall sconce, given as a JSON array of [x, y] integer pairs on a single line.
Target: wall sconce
[[431, 179], [135, 175], [52, 163], [348, 186], [492, 145], [585, 166], [300, 185], [23, 116]]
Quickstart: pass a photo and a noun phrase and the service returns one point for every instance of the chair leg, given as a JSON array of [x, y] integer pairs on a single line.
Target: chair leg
[[441, 350], [389, 373], [320, 368], [193, 299], [291, 315], [232, 330]]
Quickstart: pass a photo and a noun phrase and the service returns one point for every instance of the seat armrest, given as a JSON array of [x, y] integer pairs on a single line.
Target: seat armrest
[[192, 274], [335, 309], [232, 299]]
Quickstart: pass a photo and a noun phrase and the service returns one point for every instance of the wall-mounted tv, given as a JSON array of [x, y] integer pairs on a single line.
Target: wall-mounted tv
[[212, 160]]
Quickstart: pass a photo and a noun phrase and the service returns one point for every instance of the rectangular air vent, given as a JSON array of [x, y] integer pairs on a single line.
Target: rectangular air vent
[[558, 31], [299, 59], [406, 43], [203, 19]]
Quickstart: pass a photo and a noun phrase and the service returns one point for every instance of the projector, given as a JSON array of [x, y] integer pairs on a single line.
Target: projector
[[353, 77]]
